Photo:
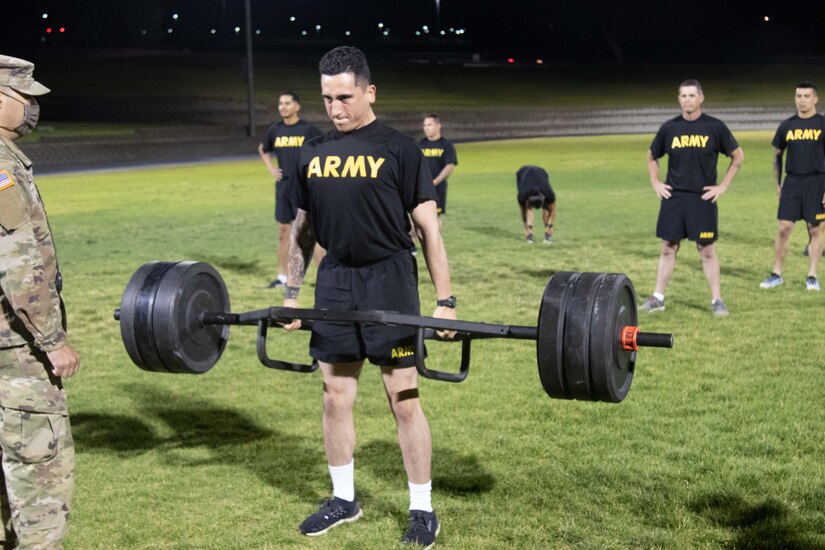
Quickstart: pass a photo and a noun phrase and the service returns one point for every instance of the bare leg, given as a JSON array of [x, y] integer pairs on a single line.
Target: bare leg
[[710, 263], [783, 240], [414, 437], [527, 218], [814, 247], [283, 246], [548, 215], [667, 261], [340, 390]]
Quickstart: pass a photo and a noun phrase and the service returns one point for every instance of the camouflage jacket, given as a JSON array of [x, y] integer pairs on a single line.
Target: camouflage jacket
[[31, 310]]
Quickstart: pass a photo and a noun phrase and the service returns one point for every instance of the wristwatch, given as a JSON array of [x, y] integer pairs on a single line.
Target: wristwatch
[[447, 302]]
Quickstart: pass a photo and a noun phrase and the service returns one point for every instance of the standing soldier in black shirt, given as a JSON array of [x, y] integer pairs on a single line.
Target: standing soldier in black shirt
[[358, 187], [802, 196], [692, 141], [285, 139], [441, 157]]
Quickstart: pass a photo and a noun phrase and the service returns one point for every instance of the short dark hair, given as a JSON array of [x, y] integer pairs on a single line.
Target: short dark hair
[[536, 199], [346, 59], [434, 117], [691, 82], [295, 97], [808, 84]]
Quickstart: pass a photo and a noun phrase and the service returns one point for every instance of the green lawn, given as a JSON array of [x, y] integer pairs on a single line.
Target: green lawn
[[719, 443]]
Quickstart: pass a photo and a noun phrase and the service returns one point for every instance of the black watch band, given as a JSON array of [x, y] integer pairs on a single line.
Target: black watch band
[[447, 302]]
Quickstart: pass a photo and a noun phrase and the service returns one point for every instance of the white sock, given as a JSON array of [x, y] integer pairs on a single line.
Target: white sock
[[421, 496], [282, 278], [659, 296], [343, 481]]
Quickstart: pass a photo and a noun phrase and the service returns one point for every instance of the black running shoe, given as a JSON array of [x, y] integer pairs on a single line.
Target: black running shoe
[[331, 513], [275, 284], [422, 530]]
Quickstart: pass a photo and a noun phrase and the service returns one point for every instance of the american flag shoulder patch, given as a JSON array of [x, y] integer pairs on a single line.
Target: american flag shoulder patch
[[5, 179]]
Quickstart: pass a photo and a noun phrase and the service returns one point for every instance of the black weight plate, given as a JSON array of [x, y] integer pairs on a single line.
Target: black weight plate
[[550, 334], [576, 343], [611, 367], [186, 291], [136, 316]]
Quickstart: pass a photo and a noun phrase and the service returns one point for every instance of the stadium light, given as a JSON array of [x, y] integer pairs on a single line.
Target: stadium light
[[292, 18], [317, 27], [175, 16], [767, 18], [45, 16], [380, 25], [347, 33]]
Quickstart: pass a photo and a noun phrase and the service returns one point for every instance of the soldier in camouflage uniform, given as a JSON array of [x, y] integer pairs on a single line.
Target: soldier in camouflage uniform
[[35, 436]]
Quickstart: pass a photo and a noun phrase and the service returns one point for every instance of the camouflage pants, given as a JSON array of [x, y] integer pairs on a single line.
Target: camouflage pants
[[37, 452]]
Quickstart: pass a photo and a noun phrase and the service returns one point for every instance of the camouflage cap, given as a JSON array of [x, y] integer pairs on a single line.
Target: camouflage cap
[[17, 74]]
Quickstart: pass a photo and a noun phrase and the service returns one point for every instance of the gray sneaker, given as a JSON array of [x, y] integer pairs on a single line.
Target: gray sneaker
[[530, 239], [652, 305], [772, 281], [812, 283], [548, 239], [719, 309]]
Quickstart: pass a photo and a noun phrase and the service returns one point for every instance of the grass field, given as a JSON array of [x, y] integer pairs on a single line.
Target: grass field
[[718, 445]]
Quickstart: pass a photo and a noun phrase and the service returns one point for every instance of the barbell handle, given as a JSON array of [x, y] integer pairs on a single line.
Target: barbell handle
[[464, 369], [275, 363]]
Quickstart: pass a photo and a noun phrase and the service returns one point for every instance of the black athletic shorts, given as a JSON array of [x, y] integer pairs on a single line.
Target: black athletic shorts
[[686, 215], [285, 209], [389, 285], [441, 198], [801, 198]]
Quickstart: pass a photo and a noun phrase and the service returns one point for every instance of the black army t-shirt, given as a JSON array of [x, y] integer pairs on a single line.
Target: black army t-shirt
[[530, 179], [693, 148], [439, 153], [805, 142], [286, 141], [358, 188]]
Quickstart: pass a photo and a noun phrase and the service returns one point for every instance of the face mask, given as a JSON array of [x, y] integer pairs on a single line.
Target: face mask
[[31, 114]]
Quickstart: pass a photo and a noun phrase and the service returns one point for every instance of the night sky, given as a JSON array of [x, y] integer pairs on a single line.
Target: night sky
[[561, 30]]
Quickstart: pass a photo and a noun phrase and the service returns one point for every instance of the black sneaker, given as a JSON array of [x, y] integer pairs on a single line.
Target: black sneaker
[[275, 284], [422, 530], [331, 513]]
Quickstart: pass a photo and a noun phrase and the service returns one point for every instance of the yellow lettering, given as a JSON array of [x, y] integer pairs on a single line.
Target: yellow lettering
[[789, 136], [817, 133], [354, 166], [704, 140], [433, 152], [375, 164], [314, 167], [695, 141], [820, 216], [706, 235], [331, 164], [685, 141], [797, 134], [676, 143], [403, 351]]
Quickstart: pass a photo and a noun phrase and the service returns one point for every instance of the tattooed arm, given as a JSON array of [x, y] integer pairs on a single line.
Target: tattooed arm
[[301, 247]]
